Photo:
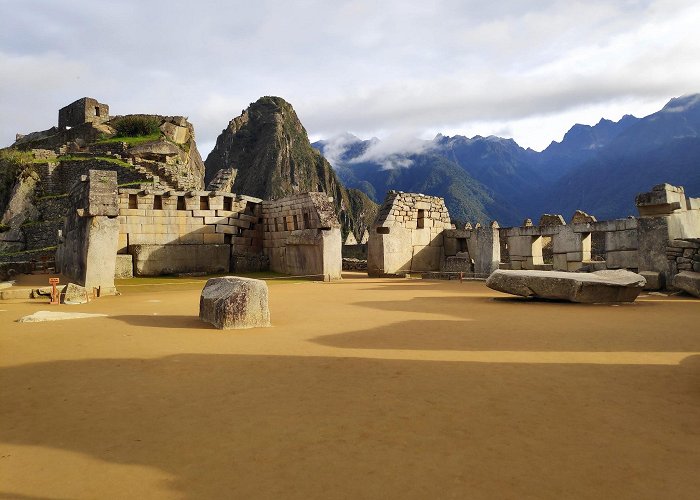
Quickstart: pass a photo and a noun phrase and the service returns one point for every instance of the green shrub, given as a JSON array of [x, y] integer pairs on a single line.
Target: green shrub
[[136, 126]]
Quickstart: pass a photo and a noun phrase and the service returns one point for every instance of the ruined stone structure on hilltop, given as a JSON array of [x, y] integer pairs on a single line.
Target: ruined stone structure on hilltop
[[85, 110], [50, 162]]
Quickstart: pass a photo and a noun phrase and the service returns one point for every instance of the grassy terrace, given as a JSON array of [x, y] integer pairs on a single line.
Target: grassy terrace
[[114, 161], [131, 141]]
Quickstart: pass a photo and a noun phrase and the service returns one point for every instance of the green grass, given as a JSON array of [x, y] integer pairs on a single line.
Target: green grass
[[27, 252], [53, 196], [131, 141], [114, 161], [134, 183]]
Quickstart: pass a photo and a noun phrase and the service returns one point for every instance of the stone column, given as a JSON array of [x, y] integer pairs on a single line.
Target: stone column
[[88, 251], [488, 250]]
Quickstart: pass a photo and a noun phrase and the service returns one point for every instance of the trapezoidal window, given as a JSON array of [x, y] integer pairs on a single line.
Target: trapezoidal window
[[307, 225], [157, 202], [420, 221], [97, 111], [296, 222], [204, 203], [181, 203], [277, 226], [228, 204], [133, 201]]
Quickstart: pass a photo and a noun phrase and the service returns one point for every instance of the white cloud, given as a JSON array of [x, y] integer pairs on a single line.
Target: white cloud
[[532, 68]]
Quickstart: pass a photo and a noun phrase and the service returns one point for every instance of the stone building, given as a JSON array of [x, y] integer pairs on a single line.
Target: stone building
[[151, 232], [407, 235], [85, 110]]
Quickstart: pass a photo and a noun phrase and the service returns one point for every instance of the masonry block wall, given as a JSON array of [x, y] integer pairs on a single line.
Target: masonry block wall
[[684, 255], [571, 245], [185, 232], [302, 236], [665, 214], [407, 235]]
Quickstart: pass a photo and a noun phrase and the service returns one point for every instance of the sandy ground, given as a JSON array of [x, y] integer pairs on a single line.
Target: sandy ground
[[362, 389]]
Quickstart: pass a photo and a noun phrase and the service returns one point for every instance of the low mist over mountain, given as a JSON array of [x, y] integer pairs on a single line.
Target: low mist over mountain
[[598, 169]]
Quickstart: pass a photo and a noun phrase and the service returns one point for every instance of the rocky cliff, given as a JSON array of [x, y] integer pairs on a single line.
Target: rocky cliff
[[269, 149]]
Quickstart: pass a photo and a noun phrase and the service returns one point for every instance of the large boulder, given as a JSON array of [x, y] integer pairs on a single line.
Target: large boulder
[[688, 281], [232, 302], [601, 286]]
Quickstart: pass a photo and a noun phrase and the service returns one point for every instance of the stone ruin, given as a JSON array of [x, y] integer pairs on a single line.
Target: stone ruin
[[146, 232], [166, 223], [413, 234], [85, 110]]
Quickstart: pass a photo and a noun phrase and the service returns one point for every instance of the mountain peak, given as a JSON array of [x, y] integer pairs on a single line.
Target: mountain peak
[[682, 103]]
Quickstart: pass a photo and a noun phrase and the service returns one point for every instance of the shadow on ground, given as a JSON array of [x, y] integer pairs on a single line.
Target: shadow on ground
[[163, 321], [230, 426]]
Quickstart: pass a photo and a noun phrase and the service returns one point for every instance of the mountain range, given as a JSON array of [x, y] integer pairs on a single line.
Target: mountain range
[[598, 169]]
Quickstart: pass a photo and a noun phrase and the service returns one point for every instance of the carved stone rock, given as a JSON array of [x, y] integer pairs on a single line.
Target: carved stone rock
[[235, 303], [688, 281], [597, 287]]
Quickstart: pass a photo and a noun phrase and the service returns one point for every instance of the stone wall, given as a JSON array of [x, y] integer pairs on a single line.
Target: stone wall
[[88, 246], [58, 178], [195, 231], [407, 235], [42, 234], [665, 215], [684, 255], [571, 245], [302, 236], [475, 252]]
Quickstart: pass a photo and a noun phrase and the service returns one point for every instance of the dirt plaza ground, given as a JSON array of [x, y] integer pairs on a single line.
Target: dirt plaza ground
[[363, 388]]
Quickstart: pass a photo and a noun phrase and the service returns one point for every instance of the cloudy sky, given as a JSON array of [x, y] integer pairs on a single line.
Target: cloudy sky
[[522, 69]]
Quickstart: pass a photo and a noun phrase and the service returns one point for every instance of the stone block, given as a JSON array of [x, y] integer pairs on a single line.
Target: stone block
[[226, 229], [655, 280], [520, 245], [124, 267], [621, 240], [559, 262], [235, 303], [688, 281], [420, 237], [574, 256], [74, 294], [624, 259], [566, 240], [597, 287], [213, 239], [661, 200], [426, 258]]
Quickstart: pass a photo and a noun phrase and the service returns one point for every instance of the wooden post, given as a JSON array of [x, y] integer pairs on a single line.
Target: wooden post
[[55, 298]]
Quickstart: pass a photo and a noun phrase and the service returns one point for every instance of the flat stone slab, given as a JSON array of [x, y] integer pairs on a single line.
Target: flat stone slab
[[688, 281], [598, 287], [40, 316], [232, 302]]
